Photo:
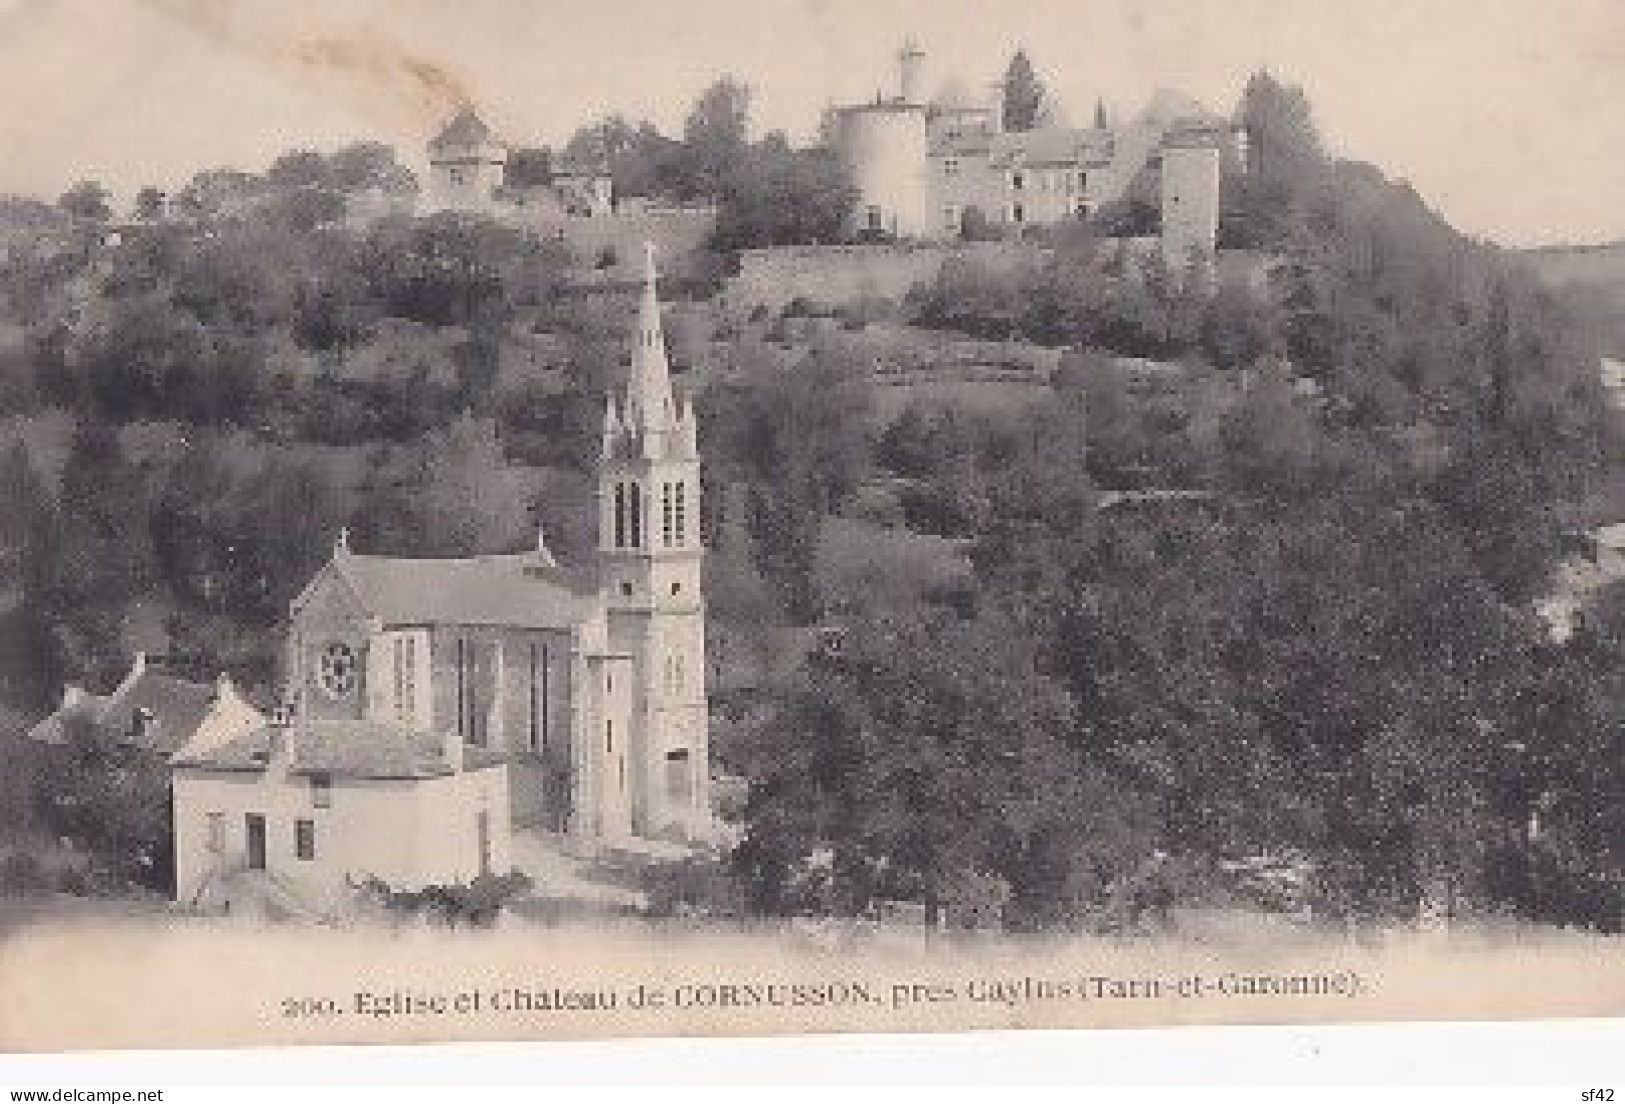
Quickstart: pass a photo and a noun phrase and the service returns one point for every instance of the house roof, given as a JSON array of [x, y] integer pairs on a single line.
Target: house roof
[[464, 130], [522, 590], [344, 749], [54, 729], [176, 707]]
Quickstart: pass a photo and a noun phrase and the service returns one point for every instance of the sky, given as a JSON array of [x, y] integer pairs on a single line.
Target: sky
[[1506, 115]]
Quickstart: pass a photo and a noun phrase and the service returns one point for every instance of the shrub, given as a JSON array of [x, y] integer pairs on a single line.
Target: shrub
[[477, 904], [23, 875], [692, 887]]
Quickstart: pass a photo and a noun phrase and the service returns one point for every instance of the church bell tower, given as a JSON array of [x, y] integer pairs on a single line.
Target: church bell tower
[[650, 556]]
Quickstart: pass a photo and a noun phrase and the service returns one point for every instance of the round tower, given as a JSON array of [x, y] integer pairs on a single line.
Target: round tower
[[883, 147]]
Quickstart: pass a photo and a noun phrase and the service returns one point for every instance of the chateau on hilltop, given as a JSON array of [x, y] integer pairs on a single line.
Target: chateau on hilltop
[[925, 167], [435, 704]]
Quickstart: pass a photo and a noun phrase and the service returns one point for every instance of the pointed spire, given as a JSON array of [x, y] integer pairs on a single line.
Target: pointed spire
[[648, 393]]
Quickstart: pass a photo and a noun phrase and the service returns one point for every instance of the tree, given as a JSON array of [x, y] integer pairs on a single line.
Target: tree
[[452, 494], [150, 204], [922, 757], [1023, 94], [715, 136], [529, 167], [96, 559], [300, 168], [362, 166], [1284, 158], [87, 200], [775, 195], [111, 798]]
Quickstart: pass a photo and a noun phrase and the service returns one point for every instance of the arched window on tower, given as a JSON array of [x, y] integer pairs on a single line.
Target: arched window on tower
[[667, 533], [620, 515], [635, 511], [680, 513]]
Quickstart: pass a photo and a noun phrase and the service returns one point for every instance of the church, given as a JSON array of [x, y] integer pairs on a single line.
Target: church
[[436, 706]]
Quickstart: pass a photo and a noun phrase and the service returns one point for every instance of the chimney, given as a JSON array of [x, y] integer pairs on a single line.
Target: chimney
[[138, 667], [280, 756]]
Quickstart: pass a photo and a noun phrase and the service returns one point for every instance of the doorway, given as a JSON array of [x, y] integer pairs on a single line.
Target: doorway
[[255, 824]]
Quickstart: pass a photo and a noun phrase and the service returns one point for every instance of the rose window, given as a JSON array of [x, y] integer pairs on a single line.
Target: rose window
[[336, 669]]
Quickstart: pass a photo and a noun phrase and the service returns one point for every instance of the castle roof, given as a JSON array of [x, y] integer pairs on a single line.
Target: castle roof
[[1043, 146], [465, 130], [521, 590]]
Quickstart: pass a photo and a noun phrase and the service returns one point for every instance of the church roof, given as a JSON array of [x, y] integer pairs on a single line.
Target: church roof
[[345, 749], [464, 130], [522, 590]]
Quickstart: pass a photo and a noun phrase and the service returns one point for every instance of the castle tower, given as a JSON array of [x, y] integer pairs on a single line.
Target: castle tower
[[466, 163], [650, 556], [910, 63], [1190, 203]]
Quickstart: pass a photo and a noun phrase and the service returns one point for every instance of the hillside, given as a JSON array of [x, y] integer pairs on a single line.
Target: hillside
[[1592, 278]]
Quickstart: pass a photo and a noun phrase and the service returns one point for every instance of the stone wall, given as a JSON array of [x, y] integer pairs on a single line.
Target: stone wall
[[837, 274], [677, 232]]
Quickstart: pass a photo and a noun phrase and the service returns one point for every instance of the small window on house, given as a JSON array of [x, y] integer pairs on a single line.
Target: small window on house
[[676, 588], [321, 790], [304, 840], [217, 833], [1018, 214], [1017, 181], [950, 166], [141, 726], [626, 589]]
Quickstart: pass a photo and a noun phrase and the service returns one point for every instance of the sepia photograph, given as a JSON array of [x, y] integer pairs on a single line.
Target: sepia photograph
[[543, 520]]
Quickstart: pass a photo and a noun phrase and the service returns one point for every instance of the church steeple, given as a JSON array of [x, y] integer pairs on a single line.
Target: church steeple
[[649, 407], [650, 570]]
